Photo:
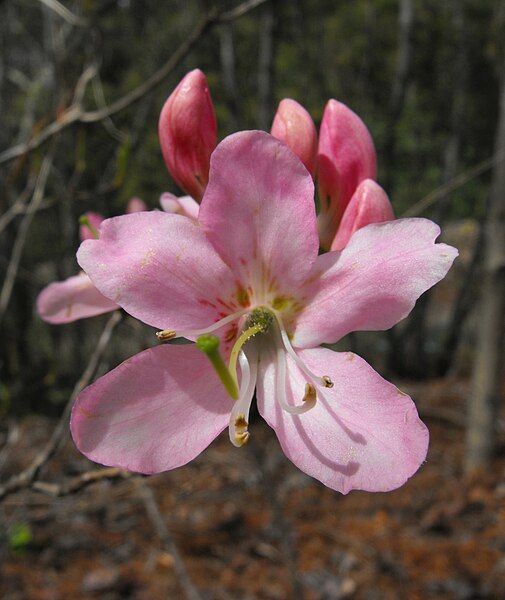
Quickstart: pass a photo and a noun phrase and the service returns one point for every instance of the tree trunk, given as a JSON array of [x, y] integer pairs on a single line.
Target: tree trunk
[[488, 366], [265, 66]]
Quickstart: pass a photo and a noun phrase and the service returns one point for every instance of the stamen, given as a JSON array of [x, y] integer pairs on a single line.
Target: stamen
[[309, 398], [323, 381], [238, 428], [165, 335], [194, 333], [209, 345]]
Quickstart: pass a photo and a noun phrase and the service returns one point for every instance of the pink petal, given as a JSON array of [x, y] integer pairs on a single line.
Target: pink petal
[[369, 204], [294, 126], [72, 299], [188, 133], [161, 269], [362, 434], [136, 205], [346, 156], [154, 412], [258, 212], [374, 282], [183, 205], [95, 220]]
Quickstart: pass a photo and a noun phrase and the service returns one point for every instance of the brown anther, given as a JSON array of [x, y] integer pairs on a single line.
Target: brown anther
[[327, 381], [241, 433], [165, 335], [240, 423], [310, 393], [242, 438]]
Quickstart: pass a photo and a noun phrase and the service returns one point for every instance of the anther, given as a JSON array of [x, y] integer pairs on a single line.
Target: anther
[[327, 381], [165, 335], [241, 430], [310, 394]]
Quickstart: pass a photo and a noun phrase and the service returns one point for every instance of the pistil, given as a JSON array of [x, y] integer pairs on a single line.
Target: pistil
[[209, 345]]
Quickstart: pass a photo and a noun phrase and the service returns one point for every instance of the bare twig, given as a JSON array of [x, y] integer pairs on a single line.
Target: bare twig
[[455, 183], [156, 518], [22, 235], [239, 10], [27, 477], [75, 484], [76, 113], [64, 13]]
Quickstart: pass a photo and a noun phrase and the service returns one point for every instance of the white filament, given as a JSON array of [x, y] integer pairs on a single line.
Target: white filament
[[290, 350], [280, 387], [193, 333], [249, 373]]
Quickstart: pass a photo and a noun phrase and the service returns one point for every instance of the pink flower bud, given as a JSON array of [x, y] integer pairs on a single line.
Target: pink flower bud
[[346, 156], [294, 126], [135, 205], [369, 204], [92, 219], [188, 133]]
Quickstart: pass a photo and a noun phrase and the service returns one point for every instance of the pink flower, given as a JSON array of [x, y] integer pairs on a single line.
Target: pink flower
[[294, 126], [76, 297], [249, 273], [369, 204], [188, 133], [346, 156]]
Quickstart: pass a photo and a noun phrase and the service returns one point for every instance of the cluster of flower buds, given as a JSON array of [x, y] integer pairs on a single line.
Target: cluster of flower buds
[[343, 161]]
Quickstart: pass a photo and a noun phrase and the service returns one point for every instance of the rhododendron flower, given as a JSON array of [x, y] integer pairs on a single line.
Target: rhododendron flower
[[246, 283], [76, 297]]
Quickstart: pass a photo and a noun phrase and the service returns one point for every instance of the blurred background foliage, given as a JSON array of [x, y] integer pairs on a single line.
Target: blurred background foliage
[[423, 75]]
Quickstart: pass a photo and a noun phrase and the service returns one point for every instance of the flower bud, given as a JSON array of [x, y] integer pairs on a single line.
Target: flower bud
[[369, 204], [135, 205], [188, 133], [346, 156], [90, 222], [294, 126]]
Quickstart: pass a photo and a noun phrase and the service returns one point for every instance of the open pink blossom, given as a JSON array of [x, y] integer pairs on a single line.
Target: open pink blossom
[[76, 297], [369, 204], [248, 274]]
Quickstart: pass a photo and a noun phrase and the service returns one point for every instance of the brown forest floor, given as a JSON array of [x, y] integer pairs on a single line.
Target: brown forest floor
[[440, 536]]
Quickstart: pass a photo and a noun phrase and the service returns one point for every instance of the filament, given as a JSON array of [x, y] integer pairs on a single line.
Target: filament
[[310, 397], [239, 418], [323, 381], [168, 334]]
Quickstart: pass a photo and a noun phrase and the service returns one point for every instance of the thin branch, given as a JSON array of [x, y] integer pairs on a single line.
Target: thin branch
[[76, 484], [22, 235], [64, 13], [239, 10], [76, 114], [460, 180], [156, 518], [27, 477]]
